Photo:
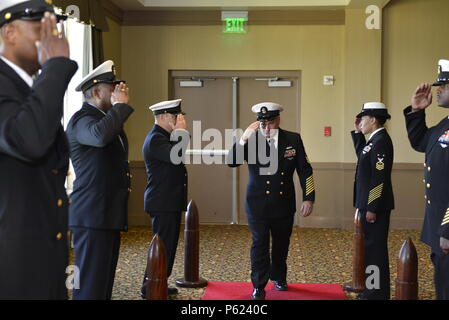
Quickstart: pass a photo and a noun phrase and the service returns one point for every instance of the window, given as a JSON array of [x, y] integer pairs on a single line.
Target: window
[[79, 36]]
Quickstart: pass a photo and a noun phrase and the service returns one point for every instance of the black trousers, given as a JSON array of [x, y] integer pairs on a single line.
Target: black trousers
[[167, 225], [96, 256], [376, 254], [441, 276], [262, 269]]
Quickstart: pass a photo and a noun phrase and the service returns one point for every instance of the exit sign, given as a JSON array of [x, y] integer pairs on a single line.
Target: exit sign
[[234, 21], [235, 25]]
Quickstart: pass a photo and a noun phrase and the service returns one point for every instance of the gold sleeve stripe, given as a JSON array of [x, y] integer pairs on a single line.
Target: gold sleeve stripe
[[310, 185], [445, 222], [375, 193]]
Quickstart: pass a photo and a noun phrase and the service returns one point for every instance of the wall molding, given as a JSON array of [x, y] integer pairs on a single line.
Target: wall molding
[[112, 11], [213, 17]]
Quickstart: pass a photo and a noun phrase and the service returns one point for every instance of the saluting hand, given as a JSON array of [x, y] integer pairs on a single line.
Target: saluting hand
[[306, 208], [53, 43], [371, 217], [250, 130], [180, 122], [120, 94], [357, 123], [422, 97]]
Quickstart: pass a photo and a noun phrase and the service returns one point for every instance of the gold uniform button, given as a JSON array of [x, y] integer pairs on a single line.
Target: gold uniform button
[[428, 186], [55, 172], [185, 185], [424, 180], [282, 173], [428, 169], [70, 201], [268, 182], [282, 183], [428, 201], [60, 203], [130, 190], [281, 193], [425, 197], [59, 236], [425, 165], [268, 192]]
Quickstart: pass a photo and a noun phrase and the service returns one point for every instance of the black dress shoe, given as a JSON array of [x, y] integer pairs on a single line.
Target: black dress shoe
[[280, 285], [258, 294], [172, 291]]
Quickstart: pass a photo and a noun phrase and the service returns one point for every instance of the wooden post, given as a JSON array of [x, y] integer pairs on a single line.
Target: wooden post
[[191, 250], [407, 279], [358, 259], [156, 286]]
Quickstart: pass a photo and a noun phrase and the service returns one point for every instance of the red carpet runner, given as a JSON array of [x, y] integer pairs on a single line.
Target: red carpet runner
[[296, 291]]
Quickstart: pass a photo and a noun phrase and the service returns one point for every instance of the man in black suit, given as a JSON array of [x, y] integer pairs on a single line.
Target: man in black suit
[[99, 152], [33, 152], [434, 142], [272, 155], [166, 191], [373, 195]]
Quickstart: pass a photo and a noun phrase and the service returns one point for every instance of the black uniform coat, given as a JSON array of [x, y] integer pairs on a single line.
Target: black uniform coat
[[102, 184], [373, 190], [435, 143], [34, 159], [273, 196], [166, 189]]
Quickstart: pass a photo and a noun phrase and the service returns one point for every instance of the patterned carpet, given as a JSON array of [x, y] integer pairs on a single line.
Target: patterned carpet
[[315, 256]]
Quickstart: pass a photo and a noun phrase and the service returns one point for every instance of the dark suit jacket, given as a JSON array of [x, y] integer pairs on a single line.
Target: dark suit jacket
[[434, 142], [373, 190], [102, 184], [167, 182], [273, 196], [34, 159]]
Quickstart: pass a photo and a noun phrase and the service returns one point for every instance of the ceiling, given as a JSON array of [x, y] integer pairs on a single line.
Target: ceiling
[[138, 5]]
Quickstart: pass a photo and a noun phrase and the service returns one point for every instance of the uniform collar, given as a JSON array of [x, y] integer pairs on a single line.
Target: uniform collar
[[90, 104], [376, 131], [22, 73]]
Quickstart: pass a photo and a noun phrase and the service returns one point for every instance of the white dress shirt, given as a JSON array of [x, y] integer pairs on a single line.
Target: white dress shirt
[[22, 73]]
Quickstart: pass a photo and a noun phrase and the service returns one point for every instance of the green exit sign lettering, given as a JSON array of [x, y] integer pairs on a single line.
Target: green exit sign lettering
[[235, 25]]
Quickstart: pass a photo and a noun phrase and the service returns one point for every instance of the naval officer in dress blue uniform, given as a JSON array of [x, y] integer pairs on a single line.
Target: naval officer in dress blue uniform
[[270, 194], [434, 142], [34, 153], [373, 192], [166, 190], [99, 152]]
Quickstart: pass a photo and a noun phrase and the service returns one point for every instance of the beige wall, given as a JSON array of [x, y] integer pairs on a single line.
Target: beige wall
[[149, 52], [415, 38]]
